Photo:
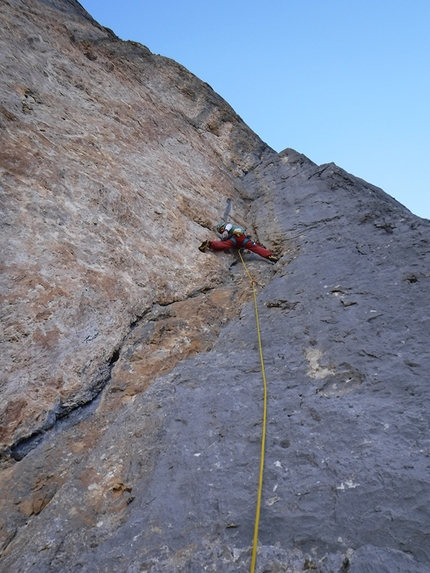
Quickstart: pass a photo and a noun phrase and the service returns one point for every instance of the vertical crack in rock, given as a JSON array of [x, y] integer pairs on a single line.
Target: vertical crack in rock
[[65, 415], [156, 341]]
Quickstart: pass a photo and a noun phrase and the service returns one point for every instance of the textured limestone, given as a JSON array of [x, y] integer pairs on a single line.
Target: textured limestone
[[115, 163], [108, 296]]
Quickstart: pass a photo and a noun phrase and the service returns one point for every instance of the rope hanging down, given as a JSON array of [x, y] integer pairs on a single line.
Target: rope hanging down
[[263, 429]]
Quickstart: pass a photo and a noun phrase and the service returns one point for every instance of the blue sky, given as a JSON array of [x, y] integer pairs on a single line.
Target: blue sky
[[338, 80]]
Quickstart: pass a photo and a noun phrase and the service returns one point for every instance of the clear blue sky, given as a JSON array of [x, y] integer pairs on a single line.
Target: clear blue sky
[[338, 80]]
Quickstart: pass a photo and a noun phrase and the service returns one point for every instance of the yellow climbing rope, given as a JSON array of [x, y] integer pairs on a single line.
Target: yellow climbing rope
[[263, 429]]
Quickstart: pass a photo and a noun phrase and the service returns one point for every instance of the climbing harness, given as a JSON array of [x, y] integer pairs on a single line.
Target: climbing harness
[[263, 429], [233, 239]]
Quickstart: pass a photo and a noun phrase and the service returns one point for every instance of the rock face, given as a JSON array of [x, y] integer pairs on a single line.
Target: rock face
[[115, 163], [132, 398]]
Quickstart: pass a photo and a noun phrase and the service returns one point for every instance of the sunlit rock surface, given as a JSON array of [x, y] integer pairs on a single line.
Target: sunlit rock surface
[[131, 392]]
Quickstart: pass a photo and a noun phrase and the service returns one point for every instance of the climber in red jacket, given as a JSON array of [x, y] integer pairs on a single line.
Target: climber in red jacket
[[233, 236]]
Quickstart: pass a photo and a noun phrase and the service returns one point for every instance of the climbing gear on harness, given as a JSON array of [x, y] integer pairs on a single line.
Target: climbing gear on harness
[[273, 259], [204, 246], [264, 424]]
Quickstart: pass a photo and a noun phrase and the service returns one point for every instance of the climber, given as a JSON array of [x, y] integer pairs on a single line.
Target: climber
[[233, 236]]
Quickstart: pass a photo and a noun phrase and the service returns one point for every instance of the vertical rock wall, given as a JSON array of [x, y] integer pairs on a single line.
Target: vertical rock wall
[[115, 164]]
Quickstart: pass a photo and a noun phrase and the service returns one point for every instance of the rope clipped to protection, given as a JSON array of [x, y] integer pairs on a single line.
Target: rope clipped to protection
[[263, 429]]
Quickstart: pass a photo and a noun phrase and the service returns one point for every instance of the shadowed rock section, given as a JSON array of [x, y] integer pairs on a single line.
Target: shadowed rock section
[[131, 396]]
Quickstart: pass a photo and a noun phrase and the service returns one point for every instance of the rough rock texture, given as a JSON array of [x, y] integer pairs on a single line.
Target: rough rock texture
[[132, 396], [115, 163]]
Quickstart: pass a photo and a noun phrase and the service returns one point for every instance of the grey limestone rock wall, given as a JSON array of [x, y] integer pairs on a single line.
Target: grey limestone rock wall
[[160, 473], [345, 332]]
